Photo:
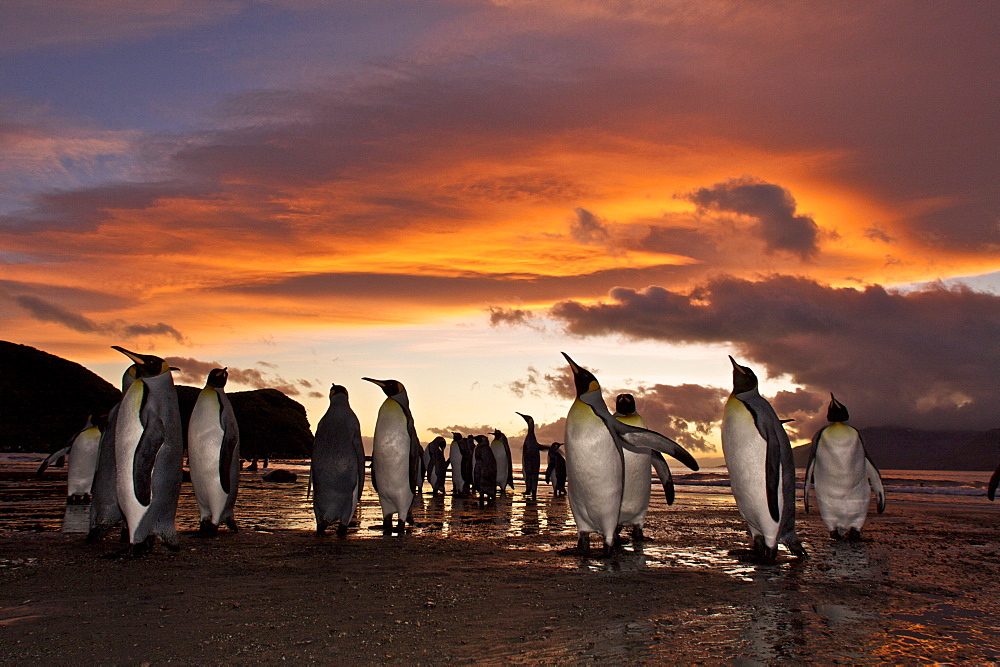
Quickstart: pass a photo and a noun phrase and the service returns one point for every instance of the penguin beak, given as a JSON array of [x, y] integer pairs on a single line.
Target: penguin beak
[[378, 382], [131, 355], [174, 368], [572, 364], [736, 366]]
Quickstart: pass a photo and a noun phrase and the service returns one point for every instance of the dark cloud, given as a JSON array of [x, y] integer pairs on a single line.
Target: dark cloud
[[807, 408], [588, 228], [877, 233], [500, 316], [469, 287], [45, 311], [195, 372], [771, 205], [925, 359], [556, 382], [686, 413]]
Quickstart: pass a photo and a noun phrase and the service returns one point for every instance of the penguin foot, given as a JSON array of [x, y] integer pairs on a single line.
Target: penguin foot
[[321, 528], [124, 538], [96, 535], [853, 535], [207, 528], [387, 525], [795, 546], [342, 530], [835, 535], [401, 527], [637, 534], [231, 525]]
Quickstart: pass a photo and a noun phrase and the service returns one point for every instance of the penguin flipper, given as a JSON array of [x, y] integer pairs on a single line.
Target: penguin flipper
[[874, 477], [810, 467], [230, 447], [991, 491], [771, 430], [663, 472], [50, 459], [638, 437], [359, 452], [875, 480], [152, 438]]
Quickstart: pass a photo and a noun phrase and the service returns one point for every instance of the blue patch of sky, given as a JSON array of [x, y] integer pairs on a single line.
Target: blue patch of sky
[[167, 82]]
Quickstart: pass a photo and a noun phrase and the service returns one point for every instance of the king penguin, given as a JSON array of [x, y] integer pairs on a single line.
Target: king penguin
[[531, 458], [505, 464], [437, 464], [638, 478], [148, 450], [841, 471], [761, 469], [394, 466], [214, 454], [455, 459], [82, 452], [485, 470], [105, 512], [595, 464], [337, 469], [555, 472]]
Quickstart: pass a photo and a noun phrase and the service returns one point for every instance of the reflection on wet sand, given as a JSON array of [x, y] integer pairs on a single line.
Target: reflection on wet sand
[[824, 607]]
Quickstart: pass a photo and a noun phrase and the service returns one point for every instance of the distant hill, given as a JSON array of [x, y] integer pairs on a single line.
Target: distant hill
[[898, 448], [45, 399]]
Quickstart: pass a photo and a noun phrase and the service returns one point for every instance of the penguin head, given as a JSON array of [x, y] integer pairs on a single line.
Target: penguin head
[[217, 377], [555, 446], [625, 404], [836, 412], [390, 387], [584, 379], [336, 389], [146, 365], [497, 433], [456, 436], [743, 378], [527, 418]]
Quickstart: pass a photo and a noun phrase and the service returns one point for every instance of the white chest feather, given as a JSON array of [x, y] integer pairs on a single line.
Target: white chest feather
[[594, 470], [128, 432], [205, 437]]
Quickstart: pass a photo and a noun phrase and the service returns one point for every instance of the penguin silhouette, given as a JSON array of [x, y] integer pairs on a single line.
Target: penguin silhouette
[[555, 472], [337, 468], [485, 472], [761, 468], [437, 464], [531, 458]]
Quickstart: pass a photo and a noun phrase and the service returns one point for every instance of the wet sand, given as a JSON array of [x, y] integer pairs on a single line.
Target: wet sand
[[490, 586]]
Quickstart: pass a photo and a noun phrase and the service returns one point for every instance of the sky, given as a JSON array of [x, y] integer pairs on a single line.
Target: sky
[[452, 193]]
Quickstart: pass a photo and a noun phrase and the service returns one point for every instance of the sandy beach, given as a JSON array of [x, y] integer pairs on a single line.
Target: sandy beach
[[473, 585]]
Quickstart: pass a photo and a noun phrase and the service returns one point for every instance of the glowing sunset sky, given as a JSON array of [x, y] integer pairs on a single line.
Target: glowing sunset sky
[[451, 193]]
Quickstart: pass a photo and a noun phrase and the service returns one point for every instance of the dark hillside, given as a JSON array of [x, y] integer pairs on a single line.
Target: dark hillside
[[45, 399]]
